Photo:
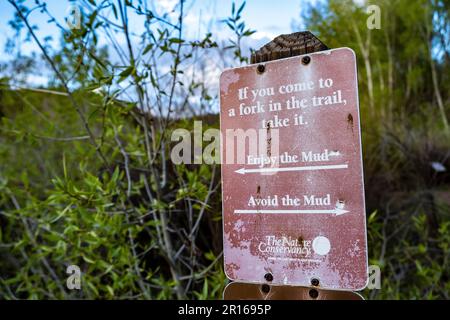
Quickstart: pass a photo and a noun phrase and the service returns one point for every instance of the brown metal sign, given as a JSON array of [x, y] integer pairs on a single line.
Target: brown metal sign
[[292, 177], [247, 291]]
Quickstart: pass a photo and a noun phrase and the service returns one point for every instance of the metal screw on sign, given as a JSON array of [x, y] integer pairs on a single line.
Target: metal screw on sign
[[306, 60], [313, 293], [265, 288], [260, 69], [268, 277]]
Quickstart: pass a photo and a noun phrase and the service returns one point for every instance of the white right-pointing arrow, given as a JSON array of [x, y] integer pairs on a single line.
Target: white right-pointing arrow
[[335, 211]]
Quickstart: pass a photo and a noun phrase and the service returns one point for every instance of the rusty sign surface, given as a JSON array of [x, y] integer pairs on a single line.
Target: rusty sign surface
[[248, 291], [293, 199]]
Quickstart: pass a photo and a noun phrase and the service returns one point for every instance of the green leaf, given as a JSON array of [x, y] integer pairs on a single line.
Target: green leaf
[[61, 214], [210, 256], [148, 48], [205, 289], [115, 175], [372, 216], [110, 290], [88, 260], [114, 10], [176, 40], [240, 9], [92, 287], [64, 166], [248, 33], [125, 73], [96, 59], [92, 17]]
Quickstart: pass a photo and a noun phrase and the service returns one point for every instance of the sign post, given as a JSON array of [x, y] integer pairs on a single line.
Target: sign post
[[292, 176], [246, 291]]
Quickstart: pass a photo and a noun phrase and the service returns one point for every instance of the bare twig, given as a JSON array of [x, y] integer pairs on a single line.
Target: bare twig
[[126, 159]]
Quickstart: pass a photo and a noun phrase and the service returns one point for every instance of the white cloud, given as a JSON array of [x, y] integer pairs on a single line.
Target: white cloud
[[36, 80], [263, 35], [360, 2], [167, 5]]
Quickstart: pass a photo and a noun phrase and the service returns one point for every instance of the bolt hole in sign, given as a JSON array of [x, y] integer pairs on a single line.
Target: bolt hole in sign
[[292, 176]]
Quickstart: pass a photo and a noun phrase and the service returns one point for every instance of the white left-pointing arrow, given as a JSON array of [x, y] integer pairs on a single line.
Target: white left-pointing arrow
[[335, 211], [304, 168]]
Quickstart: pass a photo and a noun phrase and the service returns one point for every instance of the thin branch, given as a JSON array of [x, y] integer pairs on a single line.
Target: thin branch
[[60, 139], [126, 159]]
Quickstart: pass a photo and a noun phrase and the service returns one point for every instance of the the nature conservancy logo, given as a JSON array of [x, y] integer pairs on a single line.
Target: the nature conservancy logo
[[297, 248]]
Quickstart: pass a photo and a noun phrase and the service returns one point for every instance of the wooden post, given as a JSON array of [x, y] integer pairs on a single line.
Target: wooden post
[[288, 45]]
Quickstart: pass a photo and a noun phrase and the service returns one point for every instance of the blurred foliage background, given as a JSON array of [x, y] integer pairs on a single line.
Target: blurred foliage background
[[85, 171]]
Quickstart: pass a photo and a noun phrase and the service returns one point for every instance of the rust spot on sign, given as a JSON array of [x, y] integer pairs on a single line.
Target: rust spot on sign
[[300, 241], [350, 121]]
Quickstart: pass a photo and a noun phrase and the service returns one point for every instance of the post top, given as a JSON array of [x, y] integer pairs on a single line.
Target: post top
[[288, 45]]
